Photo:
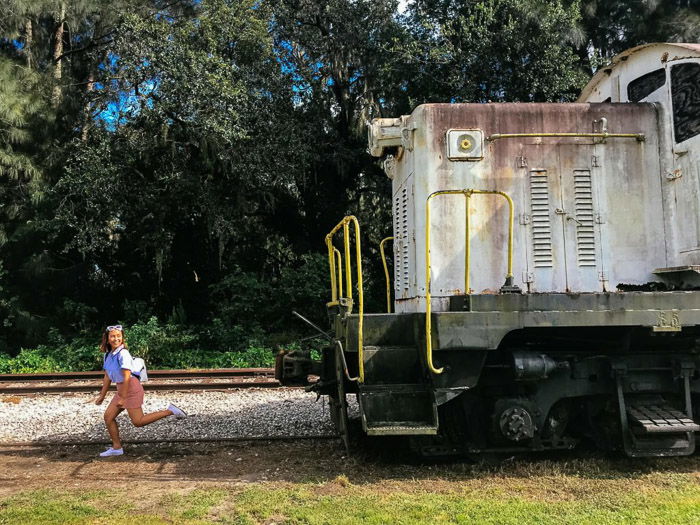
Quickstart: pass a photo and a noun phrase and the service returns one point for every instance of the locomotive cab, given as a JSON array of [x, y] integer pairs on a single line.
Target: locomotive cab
[[667, 75]]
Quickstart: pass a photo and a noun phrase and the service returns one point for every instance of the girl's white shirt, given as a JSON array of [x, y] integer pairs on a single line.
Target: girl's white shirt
[[116, 361]]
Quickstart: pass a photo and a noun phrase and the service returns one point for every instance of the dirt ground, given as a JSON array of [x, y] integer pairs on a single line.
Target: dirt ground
[[186, 465], [163, 467]]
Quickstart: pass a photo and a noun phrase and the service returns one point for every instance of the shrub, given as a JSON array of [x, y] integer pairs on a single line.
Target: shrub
[[249, 304], [29, 361], [155, 342], [225, 337], [161, 345], [254, 356]]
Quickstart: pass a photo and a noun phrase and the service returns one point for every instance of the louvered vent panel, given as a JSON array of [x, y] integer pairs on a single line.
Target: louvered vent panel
[[398, 240], [404, 238], [401, 242], [585, 230], [541, 224]]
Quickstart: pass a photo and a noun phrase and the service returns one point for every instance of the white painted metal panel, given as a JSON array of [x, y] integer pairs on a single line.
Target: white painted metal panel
[[589, 212]]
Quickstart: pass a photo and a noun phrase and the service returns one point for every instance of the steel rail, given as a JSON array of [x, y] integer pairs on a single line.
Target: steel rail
[[148, 386], [161, 374], [234, 439]]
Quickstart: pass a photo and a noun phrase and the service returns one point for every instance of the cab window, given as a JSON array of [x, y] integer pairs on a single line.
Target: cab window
[[645, 85], [685, 94]]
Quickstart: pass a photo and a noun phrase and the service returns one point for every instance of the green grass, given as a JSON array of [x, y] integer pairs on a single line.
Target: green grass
[[195, 504], [654, 498], [377, 506]]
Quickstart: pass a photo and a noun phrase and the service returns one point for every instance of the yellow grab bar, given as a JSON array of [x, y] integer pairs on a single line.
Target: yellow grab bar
[[509, 276], [346, 243], [386, 273], [639, 136], [336, 282], [336, 287], [339, 262]]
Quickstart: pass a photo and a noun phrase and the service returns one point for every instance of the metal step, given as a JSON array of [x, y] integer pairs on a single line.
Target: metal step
[[389, 365], [406, 430], [398, 410], [651, 426], [660, 419]]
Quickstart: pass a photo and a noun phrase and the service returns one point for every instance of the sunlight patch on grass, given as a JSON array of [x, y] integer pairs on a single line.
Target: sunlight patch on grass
[[45, 506], [316, 505], [48, 507], [193, 505]]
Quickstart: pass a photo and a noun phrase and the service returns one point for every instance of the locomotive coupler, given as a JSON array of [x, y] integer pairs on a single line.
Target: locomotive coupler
[[293, 367]]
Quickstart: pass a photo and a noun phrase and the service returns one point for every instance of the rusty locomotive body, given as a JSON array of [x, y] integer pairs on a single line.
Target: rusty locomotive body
[[546, 272]]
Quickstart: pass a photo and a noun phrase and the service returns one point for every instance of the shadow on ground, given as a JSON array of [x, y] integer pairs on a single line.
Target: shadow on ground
[[315, 461]]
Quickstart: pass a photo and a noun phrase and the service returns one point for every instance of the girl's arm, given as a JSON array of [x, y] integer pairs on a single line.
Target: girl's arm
[[123, 388], [105, 387]]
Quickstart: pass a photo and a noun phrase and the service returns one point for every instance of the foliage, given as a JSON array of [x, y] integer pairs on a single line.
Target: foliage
[[494, 50], [161, 345], [78, 355], [615, 25], [28, 361], [19, 104], [244, 298], [184, 159], [8, 308], [339, 56], [154, 342]]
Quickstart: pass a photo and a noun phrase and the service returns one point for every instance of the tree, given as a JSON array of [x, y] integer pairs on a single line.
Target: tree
[[162, 152], [339, 56], [36, 141], [191, 162], [21, 183], [492, 50], [612, 26]]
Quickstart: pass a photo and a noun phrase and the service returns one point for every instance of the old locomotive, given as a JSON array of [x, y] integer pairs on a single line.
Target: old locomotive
[[546, 272]]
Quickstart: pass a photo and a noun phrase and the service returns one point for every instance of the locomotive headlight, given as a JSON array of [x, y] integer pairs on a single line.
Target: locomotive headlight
[[465, 144]]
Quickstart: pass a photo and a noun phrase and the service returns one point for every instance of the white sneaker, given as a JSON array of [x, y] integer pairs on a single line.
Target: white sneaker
[[177, 412], [112, 452]]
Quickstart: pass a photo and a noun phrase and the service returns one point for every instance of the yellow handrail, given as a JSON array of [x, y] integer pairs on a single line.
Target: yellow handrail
[[339, 260], [509, 276], [337, 287], [639, 136], [386, 273], [336, 282]]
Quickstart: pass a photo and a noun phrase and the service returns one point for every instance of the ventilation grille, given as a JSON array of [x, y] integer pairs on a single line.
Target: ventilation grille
[[585, 229], [541, 224], [401, 242]]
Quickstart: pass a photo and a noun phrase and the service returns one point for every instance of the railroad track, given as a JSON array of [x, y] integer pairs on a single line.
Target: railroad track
[[178, 380], [232, 439]]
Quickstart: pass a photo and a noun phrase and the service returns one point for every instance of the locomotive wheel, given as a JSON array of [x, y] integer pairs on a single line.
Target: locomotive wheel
[[338, 403]]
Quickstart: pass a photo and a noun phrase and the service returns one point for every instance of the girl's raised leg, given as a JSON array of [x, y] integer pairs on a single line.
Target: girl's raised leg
[[139, 419]]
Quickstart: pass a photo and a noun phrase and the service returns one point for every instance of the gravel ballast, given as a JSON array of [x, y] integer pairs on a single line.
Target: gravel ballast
[[211, 415]]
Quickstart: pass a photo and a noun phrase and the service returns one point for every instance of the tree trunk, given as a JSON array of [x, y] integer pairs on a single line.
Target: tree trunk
[[28, 41], [56, 95], [86, 109]]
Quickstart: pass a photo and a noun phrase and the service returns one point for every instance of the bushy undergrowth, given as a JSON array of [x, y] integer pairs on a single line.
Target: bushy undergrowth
[[162, 345]]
